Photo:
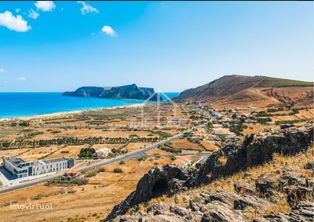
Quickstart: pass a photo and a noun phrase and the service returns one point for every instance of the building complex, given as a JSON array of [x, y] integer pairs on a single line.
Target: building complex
[[20, 168]]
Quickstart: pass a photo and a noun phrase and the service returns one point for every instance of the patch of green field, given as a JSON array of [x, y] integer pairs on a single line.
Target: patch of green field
[[278, 82]]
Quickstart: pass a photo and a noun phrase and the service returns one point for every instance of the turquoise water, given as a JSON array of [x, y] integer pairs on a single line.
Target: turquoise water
[[29, 104]]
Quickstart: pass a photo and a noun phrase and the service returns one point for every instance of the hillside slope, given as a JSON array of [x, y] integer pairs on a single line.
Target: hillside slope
[[266, 178], [246, 91]]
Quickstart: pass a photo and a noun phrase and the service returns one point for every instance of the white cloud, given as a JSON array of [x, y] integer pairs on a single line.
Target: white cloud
[[2, 70], [87, 8], [32, 14], [45, 6], [16, 23], [21, 78], [17, 10], [108, 30]]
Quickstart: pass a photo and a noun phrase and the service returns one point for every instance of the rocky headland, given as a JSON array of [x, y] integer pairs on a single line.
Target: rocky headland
[[119, 92]]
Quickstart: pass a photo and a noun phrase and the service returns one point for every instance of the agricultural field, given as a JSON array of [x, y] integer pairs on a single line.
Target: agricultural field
[[64, 135]]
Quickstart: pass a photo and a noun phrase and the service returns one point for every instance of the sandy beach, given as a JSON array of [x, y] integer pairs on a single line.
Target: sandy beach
[[60, 114]]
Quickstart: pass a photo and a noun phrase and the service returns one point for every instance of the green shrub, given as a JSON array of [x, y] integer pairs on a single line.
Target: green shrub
[[263, 120], [23, 123], [236, 128], [87, 152], [222, 137], [37, 197], [79, 181], [117, 170], [55, 131], [91, 173]]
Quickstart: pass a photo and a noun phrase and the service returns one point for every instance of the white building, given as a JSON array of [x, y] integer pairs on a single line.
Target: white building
[[20, 168], [103, 152]]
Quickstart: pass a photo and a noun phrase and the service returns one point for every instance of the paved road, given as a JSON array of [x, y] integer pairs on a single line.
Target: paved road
[[133, 154]]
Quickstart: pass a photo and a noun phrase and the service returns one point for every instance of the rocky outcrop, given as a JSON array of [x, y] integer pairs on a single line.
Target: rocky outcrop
[[225, 206], [243, 187], [158, 181], [119, 92], [222, 206], [255, 150], [303, 212], [265, 185]]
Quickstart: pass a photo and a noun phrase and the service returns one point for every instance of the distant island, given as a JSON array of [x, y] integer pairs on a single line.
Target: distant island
[[118, 92]]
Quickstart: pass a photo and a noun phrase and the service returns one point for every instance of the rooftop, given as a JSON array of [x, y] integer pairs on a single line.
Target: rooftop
[[55, 160], [18, 162], [15, 160]]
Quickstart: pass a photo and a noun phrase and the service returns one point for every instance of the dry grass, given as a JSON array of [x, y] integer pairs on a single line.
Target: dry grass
[[209, 146], [227, 184], [257, 128], [223, 160], [102, 192], [184, 144]]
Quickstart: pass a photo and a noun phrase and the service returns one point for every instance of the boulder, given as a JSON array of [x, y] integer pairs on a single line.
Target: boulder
[[309, 165], [296, 194], [243, 188], [220, 212], [304, 212], [266, 185], [179, 211], [156, 209], [291, 178], [296, 187]]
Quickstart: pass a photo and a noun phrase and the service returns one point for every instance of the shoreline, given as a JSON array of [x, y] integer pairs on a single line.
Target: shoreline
[[62, 113]]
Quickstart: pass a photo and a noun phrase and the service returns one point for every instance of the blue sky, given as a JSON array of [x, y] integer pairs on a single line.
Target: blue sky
[[170, 46]]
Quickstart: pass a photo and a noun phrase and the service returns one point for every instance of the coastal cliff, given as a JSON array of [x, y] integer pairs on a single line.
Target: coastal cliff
[[119, 92]]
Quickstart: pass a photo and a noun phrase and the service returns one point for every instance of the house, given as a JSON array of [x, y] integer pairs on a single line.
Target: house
[[20, 168], [103, 152], [223, 132]]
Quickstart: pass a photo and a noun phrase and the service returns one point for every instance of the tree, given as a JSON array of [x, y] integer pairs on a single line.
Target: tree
[[87, 152]]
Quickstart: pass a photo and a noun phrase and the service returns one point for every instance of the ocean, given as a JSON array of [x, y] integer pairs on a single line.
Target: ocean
[[37, 103]]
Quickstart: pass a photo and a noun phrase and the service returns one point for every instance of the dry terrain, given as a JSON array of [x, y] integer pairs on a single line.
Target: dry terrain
[[108, 186], [78, 203]]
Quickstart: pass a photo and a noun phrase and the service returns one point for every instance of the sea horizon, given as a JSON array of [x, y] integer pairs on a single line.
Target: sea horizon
[[28, 104]]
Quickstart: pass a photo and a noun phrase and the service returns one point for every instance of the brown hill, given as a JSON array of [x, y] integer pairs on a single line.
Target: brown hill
[[247, 91]]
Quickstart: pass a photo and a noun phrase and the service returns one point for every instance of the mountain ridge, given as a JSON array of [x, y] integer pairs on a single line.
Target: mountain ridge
[[240, 90]]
